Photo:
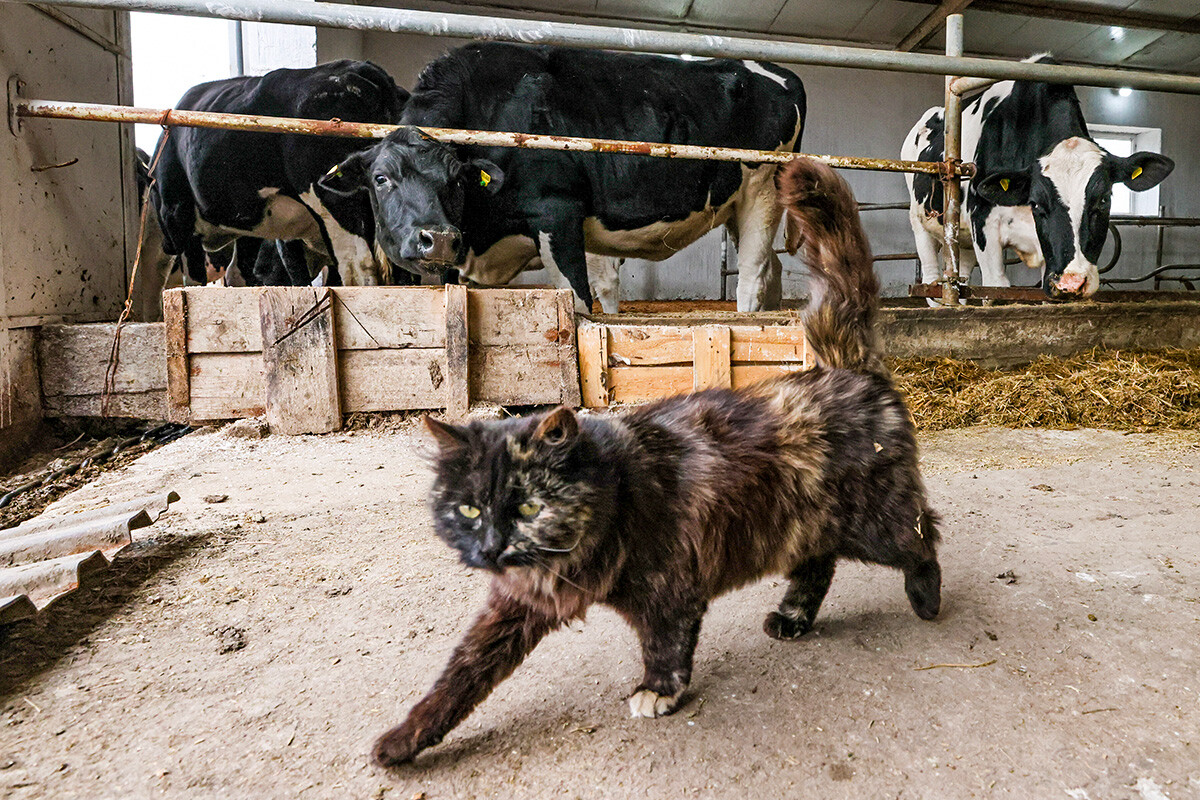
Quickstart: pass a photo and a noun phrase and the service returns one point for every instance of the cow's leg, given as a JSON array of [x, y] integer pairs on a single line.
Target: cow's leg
[[757, 215], [604, 279], [991, 256], [560, 244]]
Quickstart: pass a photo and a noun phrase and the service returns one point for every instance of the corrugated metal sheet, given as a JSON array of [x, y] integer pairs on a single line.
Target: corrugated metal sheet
[[45, 558]]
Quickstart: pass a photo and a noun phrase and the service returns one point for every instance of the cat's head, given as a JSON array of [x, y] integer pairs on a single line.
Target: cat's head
[[524, 491]]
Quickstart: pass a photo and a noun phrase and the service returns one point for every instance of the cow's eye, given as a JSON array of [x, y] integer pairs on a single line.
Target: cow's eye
[[381, 180]]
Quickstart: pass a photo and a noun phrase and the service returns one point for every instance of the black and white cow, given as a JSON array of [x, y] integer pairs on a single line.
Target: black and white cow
[[492, 212], [1043, 187], [213, 186]]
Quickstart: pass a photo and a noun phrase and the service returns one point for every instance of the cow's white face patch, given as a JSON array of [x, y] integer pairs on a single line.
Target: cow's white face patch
[[1070, 166]]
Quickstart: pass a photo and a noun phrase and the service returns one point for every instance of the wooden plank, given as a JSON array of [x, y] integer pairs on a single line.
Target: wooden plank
[[638, 384], [782, 343], [518, 375], [300, 360], [710, 365], [747, 374], [593, 364], [223, 320], [650, 345], [457, 386], [178, 371], [391, 380], [74, 359], [134, 405], [226, 386], [381, 317], [513, 316], [568, 351]]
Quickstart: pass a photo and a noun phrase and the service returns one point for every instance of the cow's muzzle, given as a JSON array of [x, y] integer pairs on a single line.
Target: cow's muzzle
[[440, 246]]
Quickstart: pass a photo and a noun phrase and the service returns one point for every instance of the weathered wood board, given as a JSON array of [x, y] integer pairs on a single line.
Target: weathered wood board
[[305, 357], [74, 363], [636, 363]]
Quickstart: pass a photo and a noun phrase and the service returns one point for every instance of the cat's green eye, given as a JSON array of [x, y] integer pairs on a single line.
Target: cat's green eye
[[470, 512], [529, 509]]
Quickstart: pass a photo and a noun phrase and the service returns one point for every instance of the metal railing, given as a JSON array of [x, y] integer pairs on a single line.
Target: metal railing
[[1158, 273]]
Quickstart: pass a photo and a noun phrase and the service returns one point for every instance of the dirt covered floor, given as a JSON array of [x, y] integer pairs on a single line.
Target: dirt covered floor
[[295, 603]]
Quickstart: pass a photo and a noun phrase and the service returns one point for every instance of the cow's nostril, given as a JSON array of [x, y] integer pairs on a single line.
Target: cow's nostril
[[425, 241]]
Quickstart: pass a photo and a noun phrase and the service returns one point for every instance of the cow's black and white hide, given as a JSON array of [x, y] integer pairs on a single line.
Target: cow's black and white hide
[[493, 212], [1042, 186], [213, 186]]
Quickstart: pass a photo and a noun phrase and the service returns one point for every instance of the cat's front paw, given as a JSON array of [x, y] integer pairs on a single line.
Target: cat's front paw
[[398, 746], [649, 704], [777, 626]]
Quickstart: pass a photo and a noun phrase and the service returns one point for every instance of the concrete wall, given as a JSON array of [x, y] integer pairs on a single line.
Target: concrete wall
[[68, 233], [862, 113]]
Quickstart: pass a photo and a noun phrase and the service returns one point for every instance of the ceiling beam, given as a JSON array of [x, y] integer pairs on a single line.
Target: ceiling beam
[[917, 36], [1089, 14]]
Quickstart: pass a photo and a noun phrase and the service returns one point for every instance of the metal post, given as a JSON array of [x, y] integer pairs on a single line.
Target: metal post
[[951, 186]]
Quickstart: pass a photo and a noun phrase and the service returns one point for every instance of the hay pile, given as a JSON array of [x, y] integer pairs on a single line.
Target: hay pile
[[1119, 390]]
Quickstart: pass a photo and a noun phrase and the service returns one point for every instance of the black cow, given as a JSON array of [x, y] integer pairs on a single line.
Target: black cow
[[492, 212], [1043, 187], [216, 185]]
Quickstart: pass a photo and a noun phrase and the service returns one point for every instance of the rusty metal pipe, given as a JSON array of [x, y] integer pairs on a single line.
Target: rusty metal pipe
[[951, 186], [98, 112]]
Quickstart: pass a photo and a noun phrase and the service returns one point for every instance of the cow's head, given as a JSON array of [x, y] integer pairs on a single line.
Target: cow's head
[[1069, 192], [417, 188]]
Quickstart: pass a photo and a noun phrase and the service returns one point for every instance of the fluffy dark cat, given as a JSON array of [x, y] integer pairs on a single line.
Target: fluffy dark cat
[[659, 510]]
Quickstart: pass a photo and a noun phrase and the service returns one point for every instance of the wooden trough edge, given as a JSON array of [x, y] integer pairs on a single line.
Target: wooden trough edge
[[524, 347]]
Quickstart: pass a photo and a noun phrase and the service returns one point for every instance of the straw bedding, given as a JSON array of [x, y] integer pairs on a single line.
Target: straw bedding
[[1120, 390]]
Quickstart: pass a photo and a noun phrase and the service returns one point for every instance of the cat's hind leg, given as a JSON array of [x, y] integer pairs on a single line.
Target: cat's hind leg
[[809, 582], [668, 634]]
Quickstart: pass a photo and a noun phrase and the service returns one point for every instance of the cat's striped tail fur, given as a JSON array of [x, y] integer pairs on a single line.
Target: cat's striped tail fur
[[822, 222]]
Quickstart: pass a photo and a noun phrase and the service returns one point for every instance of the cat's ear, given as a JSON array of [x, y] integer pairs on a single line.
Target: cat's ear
[[558, 427], [449, 437]]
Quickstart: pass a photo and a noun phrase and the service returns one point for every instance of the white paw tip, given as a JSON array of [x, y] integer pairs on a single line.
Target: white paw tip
[[648, 705]]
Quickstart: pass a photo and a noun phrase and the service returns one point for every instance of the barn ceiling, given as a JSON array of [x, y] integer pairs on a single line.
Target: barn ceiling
[[1162, 35]]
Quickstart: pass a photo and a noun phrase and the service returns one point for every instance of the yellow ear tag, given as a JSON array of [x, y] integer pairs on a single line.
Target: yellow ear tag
[[1004, 184], [484, 178], [1136, 172]]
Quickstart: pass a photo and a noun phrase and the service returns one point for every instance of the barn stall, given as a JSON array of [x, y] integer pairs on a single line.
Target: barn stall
[[630, 357]]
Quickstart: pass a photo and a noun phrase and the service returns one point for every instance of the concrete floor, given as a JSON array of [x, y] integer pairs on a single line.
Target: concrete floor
[[256, 646]]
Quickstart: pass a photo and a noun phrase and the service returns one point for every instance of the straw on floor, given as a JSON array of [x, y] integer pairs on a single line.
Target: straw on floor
[[1120, 390]]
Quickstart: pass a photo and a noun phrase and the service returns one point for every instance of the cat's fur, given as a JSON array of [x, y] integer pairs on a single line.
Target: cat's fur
[[657, 511]]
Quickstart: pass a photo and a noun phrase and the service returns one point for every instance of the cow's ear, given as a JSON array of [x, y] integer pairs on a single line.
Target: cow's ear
[[347, 178], [1141, 171], [1005, 188], [485, 175]]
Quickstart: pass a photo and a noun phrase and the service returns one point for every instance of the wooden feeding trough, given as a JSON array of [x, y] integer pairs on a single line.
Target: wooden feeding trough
[[639, 360], [306, 356]]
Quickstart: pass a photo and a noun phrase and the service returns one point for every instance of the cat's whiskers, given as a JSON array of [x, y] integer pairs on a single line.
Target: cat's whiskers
[[546, 565]]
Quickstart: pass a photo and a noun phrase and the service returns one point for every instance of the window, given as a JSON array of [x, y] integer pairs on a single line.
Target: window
[[1122, 140]]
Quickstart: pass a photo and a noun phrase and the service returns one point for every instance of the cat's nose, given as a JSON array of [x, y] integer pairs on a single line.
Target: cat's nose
[[492, 545]]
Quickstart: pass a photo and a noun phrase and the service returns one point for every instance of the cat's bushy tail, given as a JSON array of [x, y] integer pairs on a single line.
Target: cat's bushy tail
[[821, 218]]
